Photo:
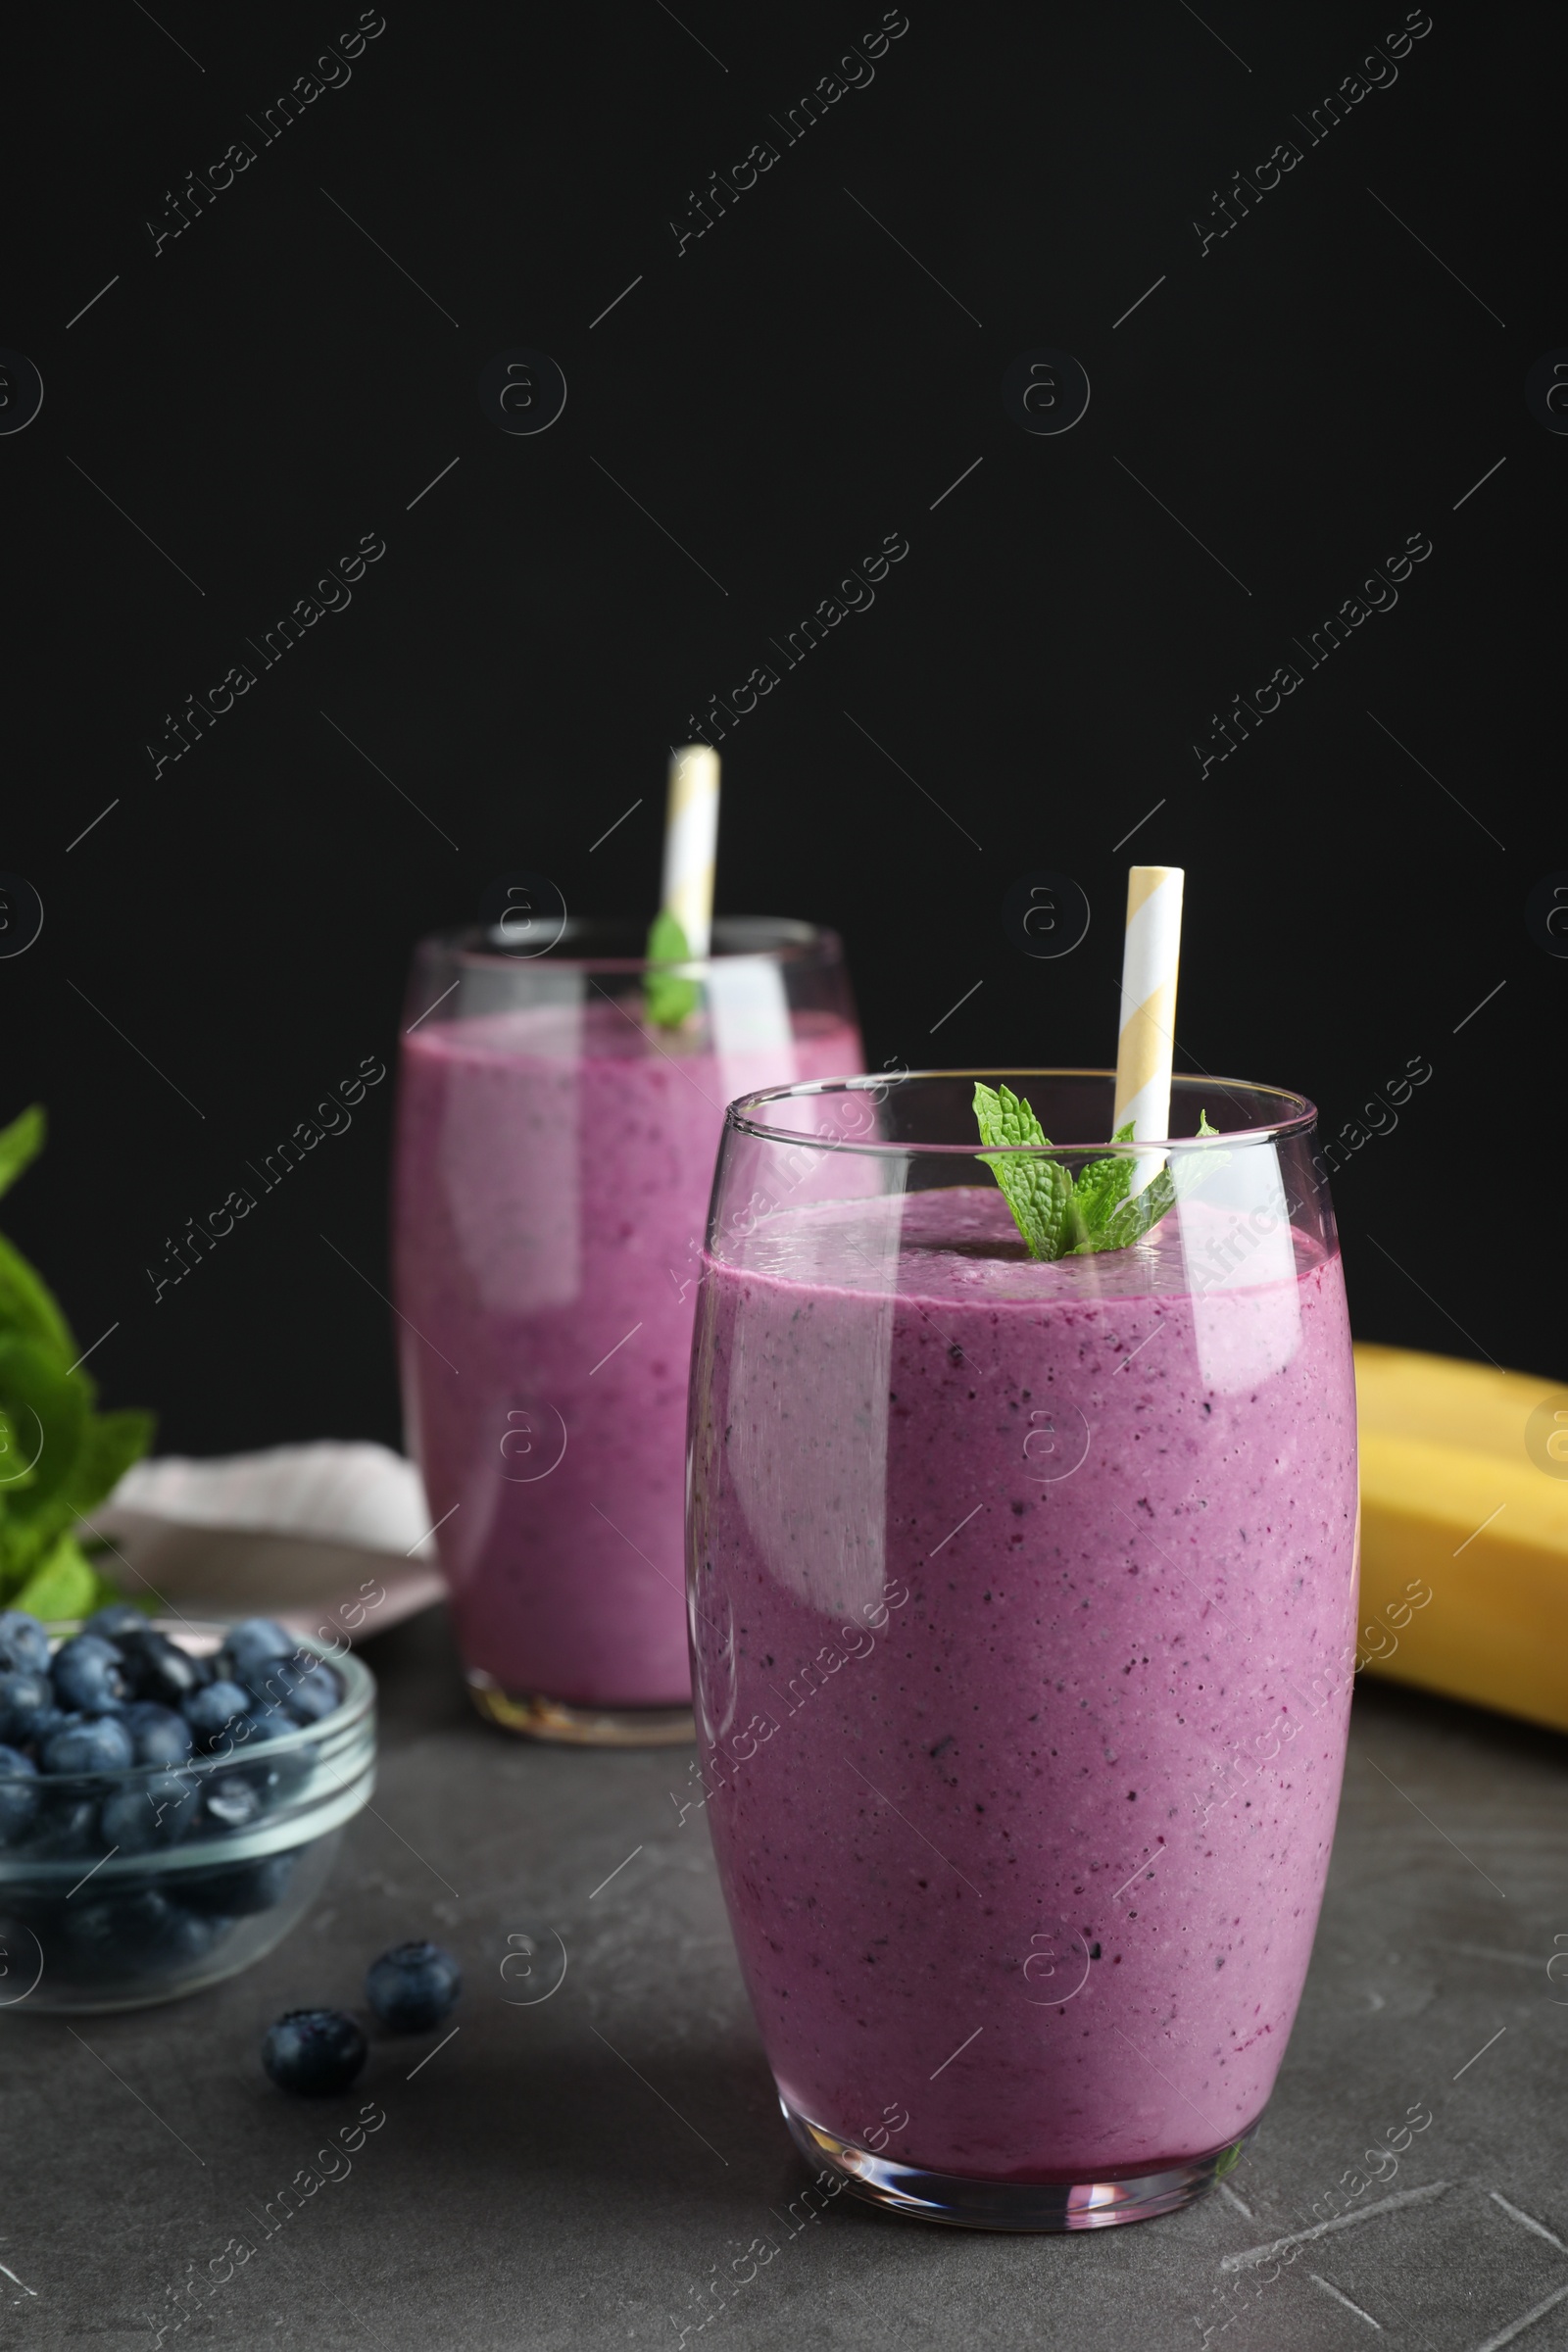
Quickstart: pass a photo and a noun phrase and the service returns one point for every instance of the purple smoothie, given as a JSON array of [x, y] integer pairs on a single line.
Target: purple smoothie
[[553, 1171], [1021, 1602]]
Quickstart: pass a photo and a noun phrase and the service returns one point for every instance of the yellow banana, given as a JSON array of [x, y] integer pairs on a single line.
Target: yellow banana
[[1464, 1529]]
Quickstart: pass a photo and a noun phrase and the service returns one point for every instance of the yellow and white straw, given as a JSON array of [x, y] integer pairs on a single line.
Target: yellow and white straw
[[691, 843], [1146, 1042]]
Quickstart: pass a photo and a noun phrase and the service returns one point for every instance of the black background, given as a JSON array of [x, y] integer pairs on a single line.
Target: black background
[[789, 390]]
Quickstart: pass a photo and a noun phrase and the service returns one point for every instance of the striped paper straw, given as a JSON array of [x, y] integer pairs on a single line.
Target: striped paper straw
[[691, 842], [1148, 1008]]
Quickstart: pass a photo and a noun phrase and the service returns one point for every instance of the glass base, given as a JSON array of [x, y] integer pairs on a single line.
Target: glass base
[[966, 2203], [532, 1716]]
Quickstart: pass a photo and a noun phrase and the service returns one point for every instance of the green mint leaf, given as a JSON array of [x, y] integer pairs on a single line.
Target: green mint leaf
[[64, 1585], [1037, 1191], [1099, 1190], [28, 1309], [111, 1442], [1129, 1222], [58, 1457], [667, 998], [1193, 1168], [46, 1409], [666, 941], [1058, 1218], [20, 1144]]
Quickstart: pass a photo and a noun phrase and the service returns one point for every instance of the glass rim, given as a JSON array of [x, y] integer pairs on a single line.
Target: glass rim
[[756, 938], [1299, 1115]]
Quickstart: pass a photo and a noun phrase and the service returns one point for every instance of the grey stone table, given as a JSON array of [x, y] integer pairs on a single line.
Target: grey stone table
[[591, 2169]]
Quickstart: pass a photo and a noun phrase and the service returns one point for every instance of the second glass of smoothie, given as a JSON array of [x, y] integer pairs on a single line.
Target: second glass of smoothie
[[1024, 1615], [554, 1157]]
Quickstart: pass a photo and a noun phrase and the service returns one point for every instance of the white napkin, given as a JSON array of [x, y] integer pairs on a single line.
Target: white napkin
[[331, 1537], [357, 1494]]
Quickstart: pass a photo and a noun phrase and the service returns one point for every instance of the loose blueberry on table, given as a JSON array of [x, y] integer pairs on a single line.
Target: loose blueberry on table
[[314, 2051], [413, 1986]]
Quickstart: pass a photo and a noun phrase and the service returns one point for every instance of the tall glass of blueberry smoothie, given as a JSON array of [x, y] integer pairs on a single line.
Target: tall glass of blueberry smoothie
[[560, 1102], [1022, 1590]]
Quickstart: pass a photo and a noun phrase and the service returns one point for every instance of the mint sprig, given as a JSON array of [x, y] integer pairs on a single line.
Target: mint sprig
[[1058, 1217], [58, 1457], [1039, 1192], [667, 998]]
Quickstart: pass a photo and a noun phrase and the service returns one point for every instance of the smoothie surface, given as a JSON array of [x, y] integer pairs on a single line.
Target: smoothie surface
[[961, 1243]]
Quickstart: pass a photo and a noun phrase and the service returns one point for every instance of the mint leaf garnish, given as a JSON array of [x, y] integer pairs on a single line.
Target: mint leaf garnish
[[1101, 1189], [1132, 1219], [667, 999], [1037, 1191], [1058, 1218], [58, 1457], [1191, 1170]]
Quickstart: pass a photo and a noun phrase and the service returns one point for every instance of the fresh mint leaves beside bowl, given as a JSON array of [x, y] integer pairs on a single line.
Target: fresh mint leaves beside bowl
[[59, 1458], [126, 1884]]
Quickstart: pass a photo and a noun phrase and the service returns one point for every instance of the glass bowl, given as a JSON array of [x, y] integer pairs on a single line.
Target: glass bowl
[[232, 1850]]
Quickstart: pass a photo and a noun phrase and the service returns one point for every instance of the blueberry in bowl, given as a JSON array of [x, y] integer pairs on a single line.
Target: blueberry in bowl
[[168, 1806], [22, 1641], [86, 1744], [88, 1674], [113, 1623], [109, 1932], [251, 1646], [154, 1813], [26, 1697], [263, 1747], [248, 1888], [304, 1687], [159, 1673], [233, 1800], [296, 1683], [213, 1713], [19, 1794], [158, 1734]]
